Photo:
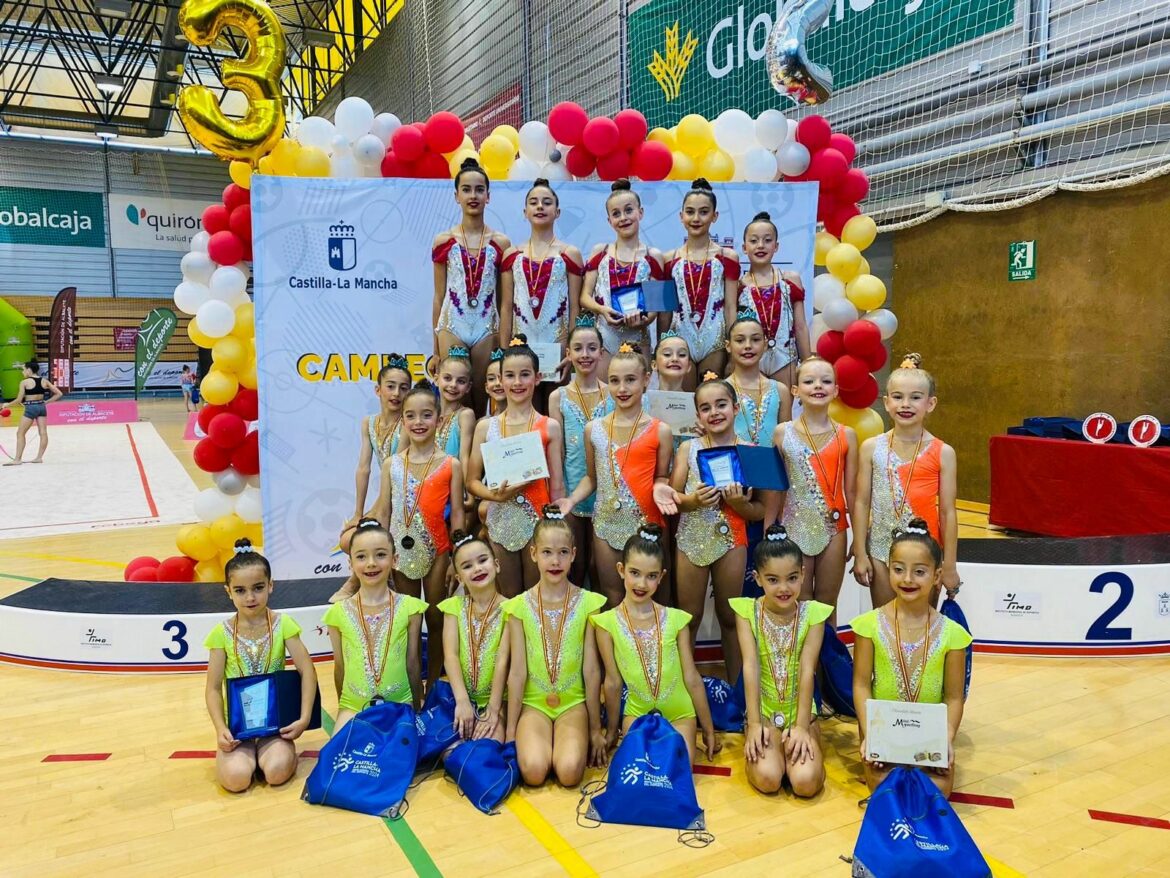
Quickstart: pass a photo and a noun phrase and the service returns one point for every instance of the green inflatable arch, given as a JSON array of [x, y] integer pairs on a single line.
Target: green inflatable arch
[[16, 348]]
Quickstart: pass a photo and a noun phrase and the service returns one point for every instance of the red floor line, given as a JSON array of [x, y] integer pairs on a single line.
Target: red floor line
[[1129, 819], [309, 754], [77, 757], [978, 799], [193, 754], [142, 473], [717, 770]]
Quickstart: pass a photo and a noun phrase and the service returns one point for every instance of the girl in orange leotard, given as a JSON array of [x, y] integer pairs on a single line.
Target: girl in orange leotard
[[905, 473], [627, 461]]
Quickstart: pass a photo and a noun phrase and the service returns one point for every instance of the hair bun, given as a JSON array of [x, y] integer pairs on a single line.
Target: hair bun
[[710, 376], [650, 532], [367, 523], [621, 184], [469, 163], [518, 340], [701, 183], [244, 545], [552, 512], [630, 347], [541, 181], [460, 538], [911, 360], [762, 217], [775, 533]]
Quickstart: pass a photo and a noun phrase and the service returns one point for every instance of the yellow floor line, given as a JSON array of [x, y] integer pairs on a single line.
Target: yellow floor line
[[1001, 870], [553, 842], [69, 558]]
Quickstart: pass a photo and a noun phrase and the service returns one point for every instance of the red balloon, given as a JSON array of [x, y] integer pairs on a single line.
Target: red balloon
[[580, 162], [851, 372], [443, 132], [210, 457], [245, 404], [137, 564], [433, 166], [241, 222], [228, 430], [827, 205], [5, 412], [844, 144], [814, 132], [861, 338], [566, 123], [247, 252], [234, 196], [421, 126], [652, 160], [393, 166], [144, 574], [408, 143], [876, 358], [209, 411], [828, 166], [601, 136], [854, 186], [831, 345], [836, 221], [615, 165], [246, 458], [215, 218], [632, 128], [178, 568], [863, 397], [226, 248]]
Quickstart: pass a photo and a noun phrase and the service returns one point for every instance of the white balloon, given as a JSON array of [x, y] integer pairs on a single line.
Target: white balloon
[[353, 117], [792, 158], [735, 131], [817, 328], [338, 143], [189, 296], [771, 129], [555, 172], [343, 165], [240, 298], [215, 318], [199, 242], [229, 481], [885, 320], [316, 132], [196, 267], [227, 283], [369, 150], [839, 313], [248, 505], [254, 481], [212, 503], [384, 126], [792, 125], [244, 268], [759, 166], [524, 169], [826, 288], [535, 142]]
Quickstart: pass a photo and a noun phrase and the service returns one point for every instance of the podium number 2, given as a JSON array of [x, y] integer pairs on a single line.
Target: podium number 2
[[1100, 629], [178, 632]]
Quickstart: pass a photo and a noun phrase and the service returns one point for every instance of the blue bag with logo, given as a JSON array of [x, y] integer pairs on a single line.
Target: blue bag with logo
[[436, 724], [368, 765], [951, 609], [649, 781], [835, 674], [727, 703], [910, 831], [485, 771]]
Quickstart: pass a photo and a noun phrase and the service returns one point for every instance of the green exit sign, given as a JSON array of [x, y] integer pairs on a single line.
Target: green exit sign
[[1022, 260]]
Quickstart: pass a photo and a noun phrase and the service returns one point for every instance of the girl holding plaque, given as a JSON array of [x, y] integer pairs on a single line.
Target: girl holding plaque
[[254, 641], [780, 636], [475, 651], [648, 648], [908, 651], [777, 297], [554, 679], [763, 403], [375, 633], [622, 263], [467, 264], [513, 510], [707, 276], [820, 457], [712, 527]]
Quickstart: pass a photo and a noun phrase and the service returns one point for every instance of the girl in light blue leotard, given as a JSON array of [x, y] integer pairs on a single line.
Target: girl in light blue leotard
[[763, 403]]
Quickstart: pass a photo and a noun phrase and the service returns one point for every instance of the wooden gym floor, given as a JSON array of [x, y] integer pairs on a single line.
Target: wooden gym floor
[[1043, 744]]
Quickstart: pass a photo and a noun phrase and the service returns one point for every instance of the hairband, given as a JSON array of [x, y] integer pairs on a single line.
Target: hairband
[[462, 540], [710, 376], [775, 535], [458, 352], [920, 531], [496, 355], [670, 333], [553, 513], [648, 536], [625, 348], [517, 343], [243, 550], [398, 362], [368, 522], [747, 314], [586, 320], [910, 363]]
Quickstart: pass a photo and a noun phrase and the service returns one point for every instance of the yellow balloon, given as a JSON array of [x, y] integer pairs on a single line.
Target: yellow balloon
[[863, 268], [860, 231], [458, 157], [842, 413], [683, 167], [695, 136], [507, 132], [255, 532], [209, 571], [194, 541], [226, 529], [284, 158], [196, 335], [663, 135], [312, 162], [229, 353], [866, 292], [245, 327], [822, 245], [467, 143], [264, 166], [497, 151], [868, 424], [218, 387], [241, 174], [717, 166], [257, 75], [247, 375], [843, 262]]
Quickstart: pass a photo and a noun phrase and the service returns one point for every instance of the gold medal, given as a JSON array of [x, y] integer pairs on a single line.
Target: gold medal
[[552, 700]]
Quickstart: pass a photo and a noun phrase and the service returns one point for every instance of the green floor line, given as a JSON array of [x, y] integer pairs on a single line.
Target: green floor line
[[19, 578]]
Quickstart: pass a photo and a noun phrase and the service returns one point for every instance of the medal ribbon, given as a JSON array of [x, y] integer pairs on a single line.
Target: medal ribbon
[[820, 464], [656, 683], [891, 473], [376, 671], [779, 646], [904, 672], [473, 266], [409, 511], [474, 641], [247, 665], [612, 455], [771, 319], [555, 661]]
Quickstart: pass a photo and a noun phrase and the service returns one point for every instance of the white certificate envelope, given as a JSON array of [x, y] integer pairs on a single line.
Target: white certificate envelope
[[514, 459], [549, 354], [906, 733], [676, 409]]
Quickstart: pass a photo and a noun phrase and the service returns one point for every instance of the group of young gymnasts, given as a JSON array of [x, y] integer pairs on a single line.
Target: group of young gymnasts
[[544, 601]]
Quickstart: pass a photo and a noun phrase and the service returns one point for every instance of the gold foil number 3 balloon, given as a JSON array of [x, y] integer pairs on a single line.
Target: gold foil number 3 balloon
[[257, 75]]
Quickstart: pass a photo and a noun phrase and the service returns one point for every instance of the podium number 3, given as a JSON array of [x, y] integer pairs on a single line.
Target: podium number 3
[[179, 647], [1101, 630]]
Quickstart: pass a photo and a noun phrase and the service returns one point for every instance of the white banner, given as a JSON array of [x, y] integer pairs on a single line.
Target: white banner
[[142, 222], [322, 331], [105, 375]]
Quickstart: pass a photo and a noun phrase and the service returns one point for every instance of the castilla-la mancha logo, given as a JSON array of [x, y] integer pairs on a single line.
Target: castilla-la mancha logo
[[669, 71], [342, 247]]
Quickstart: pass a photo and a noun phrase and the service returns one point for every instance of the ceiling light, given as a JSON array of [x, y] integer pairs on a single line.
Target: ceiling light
[[105, 132], [109, 84], [114, 8], [319, 39]]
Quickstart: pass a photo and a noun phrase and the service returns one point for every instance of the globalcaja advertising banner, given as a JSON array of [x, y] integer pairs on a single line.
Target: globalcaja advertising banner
[[51, 217], [343, 278]]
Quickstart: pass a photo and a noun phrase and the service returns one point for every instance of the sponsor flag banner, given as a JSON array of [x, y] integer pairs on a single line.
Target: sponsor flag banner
[[344, 278], [62, 326], [142, 222], [156, 330], [51, 217]]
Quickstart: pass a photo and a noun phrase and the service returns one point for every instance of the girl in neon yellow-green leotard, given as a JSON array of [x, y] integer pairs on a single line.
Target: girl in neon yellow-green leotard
[[648, 647], [554, 681]]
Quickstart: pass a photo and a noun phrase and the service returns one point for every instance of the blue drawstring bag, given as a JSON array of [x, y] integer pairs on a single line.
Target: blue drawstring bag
[[436, 724], [485, 771], [951, 609], [727, 704], [368, 765], [835, 674], [910, 831], [649, 783]]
